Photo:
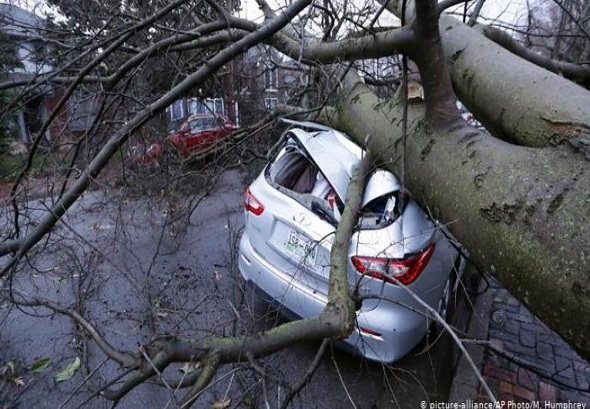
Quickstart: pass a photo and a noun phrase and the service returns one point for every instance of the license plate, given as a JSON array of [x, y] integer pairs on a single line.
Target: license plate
[[301, 248]]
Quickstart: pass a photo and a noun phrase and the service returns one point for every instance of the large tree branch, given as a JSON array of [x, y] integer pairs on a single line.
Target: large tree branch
[[429, 57], [568, 70], [369, 46], [490, 190], [543, 109], [475, 13], [479, 71]]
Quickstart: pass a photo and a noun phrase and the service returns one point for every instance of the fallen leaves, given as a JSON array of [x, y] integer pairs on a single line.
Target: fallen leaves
[[68, 372], [221, 403], [40, 365]]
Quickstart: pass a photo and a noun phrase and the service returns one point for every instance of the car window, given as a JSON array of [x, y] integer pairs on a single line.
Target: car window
[[202, 124], [195, 125], [380, 212], [174, 125], [294, 172], [208, 123], [295, 175]]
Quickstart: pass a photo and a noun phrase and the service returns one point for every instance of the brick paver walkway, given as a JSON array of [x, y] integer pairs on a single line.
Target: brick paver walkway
[[527, 361]]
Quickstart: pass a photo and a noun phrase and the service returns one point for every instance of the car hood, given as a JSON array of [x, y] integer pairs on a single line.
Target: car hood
[[337, 157]]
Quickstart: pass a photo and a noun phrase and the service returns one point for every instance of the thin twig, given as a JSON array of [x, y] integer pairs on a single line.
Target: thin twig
[[308, 374]]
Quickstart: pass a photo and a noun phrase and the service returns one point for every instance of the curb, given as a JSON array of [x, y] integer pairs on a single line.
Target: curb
[[465, 386]]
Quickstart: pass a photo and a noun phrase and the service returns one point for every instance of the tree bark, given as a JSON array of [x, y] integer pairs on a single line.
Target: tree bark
[[523, 212], [515, 100], [569, 70]]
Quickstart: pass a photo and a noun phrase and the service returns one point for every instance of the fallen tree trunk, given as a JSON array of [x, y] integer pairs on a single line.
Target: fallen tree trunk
[[524, 213], [515, 99]]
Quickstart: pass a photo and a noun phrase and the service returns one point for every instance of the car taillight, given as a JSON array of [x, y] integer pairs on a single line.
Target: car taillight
[[365, 330], [405, 271], [251, 204]]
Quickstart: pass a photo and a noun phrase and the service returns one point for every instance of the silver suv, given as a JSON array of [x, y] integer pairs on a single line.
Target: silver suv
[[292, 210]]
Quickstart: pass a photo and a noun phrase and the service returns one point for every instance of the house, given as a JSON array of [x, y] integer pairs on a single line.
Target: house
[[27, 52], [253, 85], [22, 44], [265, 80]]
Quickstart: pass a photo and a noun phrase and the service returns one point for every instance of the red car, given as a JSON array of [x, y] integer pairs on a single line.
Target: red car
[[199, 132], [195, 134]]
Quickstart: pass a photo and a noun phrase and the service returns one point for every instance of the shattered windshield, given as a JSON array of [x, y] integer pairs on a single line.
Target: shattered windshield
[[380, 212]]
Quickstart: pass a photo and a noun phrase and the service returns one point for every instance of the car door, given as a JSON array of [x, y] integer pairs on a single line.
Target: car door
[[179, 138], [207, 135], [217, 129], [193, 138]]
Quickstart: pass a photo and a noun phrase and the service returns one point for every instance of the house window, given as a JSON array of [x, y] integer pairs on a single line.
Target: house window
[[176, 110], [271, 78], [194, 105], [218, 106], [10, 56], [214, 106], [271, 103]]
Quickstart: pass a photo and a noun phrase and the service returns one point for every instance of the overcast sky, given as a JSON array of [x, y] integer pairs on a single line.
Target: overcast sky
[[505, 10]]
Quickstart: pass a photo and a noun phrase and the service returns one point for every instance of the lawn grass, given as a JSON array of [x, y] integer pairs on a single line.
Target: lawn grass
[[12, 165]]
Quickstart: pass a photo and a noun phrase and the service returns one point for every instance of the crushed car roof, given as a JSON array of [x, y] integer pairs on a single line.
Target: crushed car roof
[[337, 157]]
